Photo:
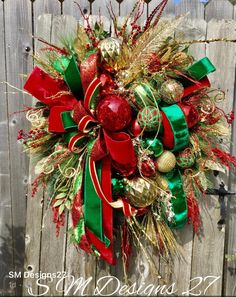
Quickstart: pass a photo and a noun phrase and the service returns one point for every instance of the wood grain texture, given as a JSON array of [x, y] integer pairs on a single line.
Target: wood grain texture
[[71, 8], [79, 265], [18, 62], [53, 7], [194, 29], [100, 8], [6, 242], [210, 248], [193, 8], [229, 288], [219, 9], [55, 249], [35, 205]]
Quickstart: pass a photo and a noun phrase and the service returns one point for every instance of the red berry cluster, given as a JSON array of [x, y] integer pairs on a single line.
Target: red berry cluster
[[230, 117], [34, 134], [136, 30]]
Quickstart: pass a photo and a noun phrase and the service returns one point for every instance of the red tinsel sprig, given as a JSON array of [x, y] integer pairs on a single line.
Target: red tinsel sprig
[[157, 11], [126, 245], [225, 158], [193, 213], [58, 219]]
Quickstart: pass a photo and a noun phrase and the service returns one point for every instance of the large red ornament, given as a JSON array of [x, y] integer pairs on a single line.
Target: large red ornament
[[113, 112], [190, 113]]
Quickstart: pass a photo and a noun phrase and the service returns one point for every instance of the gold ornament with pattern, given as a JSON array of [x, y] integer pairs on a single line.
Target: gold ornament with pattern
[[141, 192]]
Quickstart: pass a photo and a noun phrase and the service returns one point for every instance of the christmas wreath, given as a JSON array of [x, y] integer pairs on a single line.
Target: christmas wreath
[[126, 133]]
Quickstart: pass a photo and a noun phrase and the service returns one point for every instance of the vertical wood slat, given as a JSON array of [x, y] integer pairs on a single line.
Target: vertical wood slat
[[182, 267], [55, 249], [40, 7], [194, 8], [6, 243], [18, 62], [100, 8], [211, 247], [76, 261], [220, 9], [229, 288], [70, 8], [35, 204]]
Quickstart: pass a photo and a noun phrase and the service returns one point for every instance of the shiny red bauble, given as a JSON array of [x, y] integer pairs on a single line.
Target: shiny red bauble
[[134, 128], [113, 113], [190, 113], [148, 168]]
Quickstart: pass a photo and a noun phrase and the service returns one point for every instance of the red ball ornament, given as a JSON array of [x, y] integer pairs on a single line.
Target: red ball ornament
[[191, 114], [134, 128], [113, 112], [148, 168]]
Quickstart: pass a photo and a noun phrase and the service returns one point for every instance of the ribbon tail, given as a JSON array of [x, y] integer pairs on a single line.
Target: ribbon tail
[[179, 200], [97, 214], [78, 226]]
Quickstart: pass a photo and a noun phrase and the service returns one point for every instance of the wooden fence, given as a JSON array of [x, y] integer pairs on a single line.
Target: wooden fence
[[27, 235]]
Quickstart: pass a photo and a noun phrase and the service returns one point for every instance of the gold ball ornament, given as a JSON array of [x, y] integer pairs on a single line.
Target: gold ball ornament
[[161, 182], [166, 162], [110, 50], [171, 91], [140, 192]]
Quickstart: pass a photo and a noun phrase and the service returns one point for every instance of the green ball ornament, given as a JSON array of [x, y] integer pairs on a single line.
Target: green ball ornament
[[61, 64], [118, 187], [149, 118], [171, 91], [185, 159], [153, 145]]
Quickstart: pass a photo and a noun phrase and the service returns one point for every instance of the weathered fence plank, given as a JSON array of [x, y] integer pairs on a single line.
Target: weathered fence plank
[[71, 8], [35, 204], [219, 9], [229, 288], [100, 8], [46, 6], [6, 243], [195, 29], [18, 62], [56, 249], [194, 8], [211, 248]]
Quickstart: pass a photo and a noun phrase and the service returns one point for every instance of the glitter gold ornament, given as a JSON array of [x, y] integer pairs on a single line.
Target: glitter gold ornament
[[182, 59], [140, 192], [171, 91], [166, 162], [110, 50]]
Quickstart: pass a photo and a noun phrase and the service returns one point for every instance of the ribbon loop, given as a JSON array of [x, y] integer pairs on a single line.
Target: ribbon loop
[[201, 68], [73, 79], [175, 125]]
